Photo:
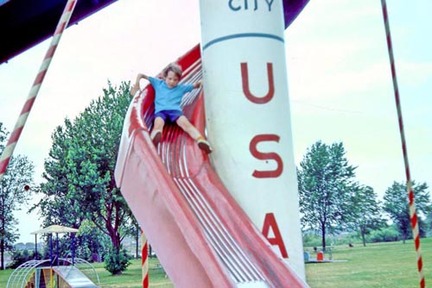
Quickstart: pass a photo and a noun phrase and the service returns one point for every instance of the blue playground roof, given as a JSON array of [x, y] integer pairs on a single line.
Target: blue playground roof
[[26, 23]]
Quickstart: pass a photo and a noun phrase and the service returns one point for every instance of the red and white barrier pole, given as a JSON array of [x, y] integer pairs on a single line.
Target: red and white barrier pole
[[19, 126], [144, 261], [410, 191]]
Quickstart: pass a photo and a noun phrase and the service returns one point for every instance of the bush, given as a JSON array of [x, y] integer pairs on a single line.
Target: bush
[[21, 256], [311, 240], [389, 234], [116, 261], [314, 240]]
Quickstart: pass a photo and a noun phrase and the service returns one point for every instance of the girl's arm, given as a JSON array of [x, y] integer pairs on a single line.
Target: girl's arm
[[136, 86], [142, 76]]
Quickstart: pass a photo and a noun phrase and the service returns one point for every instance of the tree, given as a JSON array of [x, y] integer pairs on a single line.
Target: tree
[[91, 242], [326, 188], [428, 223], [19, 173], [80, 170], [396, 206], [367, 212]]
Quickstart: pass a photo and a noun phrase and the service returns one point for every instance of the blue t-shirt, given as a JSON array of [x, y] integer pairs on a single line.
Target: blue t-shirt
[[168, 98]]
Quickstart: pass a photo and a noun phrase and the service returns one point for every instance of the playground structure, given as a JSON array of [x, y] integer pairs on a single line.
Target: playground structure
[[272, 269], [69, 273], [188, 152], [56, 271], [184, 209], [199, 217]]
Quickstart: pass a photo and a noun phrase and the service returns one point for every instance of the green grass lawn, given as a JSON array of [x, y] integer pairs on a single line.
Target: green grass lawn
[[132, 277], [380, 265], [376, 265]]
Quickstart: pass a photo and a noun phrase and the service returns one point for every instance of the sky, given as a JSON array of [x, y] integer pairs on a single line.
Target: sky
[[339, 79]]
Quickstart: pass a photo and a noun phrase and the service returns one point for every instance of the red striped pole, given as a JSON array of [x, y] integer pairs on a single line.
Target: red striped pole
[[19, 126], [410, 191], [144, 261]]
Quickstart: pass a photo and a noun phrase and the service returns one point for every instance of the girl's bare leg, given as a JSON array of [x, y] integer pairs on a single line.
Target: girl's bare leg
[[185, 124], [193, 132], [156, 133]]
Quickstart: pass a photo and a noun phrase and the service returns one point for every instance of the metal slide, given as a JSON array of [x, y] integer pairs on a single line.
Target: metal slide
[[201, 235], [72, 277]]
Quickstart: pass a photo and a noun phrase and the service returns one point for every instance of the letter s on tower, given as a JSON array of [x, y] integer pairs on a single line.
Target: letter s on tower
[[266, 156]]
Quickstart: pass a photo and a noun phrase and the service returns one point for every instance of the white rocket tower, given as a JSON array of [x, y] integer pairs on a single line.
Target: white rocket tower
[[248, 116]]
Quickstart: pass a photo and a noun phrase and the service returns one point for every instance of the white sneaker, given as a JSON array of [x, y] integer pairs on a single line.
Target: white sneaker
[[156, 136], [204, 145]]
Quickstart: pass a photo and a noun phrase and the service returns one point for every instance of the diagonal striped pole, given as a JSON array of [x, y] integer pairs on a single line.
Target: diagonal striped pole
[[144, 261], [410, 191], [19, 126]]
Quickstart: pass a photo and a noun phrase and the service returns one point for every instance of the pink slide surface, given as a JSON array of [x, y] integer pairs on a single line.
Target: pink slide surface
[[201, 235]]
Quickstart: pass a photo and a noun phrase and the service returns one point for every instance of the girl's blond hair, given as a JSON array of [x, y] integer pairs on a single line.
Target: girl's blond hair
[[174, 67]]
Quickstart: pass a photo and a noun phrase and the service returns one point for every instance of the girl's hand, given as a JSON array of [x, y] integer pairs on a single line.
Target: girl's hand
[[134, 89]]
